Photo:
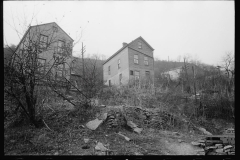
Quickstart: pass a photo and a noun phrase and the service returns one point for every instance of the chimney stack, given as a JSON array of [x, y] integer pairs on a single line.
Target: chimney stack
[[124, 44]]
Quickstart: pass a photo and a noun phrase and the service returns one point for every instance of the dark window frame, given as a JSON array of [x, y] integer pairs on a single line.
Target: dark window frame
[[136, 75], [146, 62], [109, 70], [43, 42], [139, 45], [136, 59], [119, 62]]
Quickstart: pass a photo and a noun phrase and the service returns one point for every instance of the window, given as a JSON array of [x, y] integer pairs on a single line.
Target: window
[[60, 46], [139, 45], [109, 82], [60, 70], [146, 61], [131, 72], [109, 71], [41, 65], [43, 41], [119, 64], [136, 59], [120, 79], [147, 74], [137, 75]]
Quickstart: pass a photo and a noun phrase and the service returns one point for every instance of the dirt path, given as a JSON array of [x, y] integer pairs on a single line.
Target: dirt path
[[181, 148]]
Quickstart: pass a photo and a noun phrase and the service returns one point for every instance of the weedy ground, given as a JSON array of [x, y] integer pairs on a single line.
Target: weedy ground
[[66, 130]]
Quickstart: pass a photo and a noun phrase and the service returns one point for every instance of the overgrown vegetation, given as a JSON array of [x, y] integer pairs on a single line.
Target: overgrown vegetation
[[179, 105]]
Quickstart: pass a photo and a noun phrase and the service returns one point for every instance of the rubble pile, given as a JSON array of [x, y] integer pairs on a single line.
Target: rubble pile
[[220, 149]]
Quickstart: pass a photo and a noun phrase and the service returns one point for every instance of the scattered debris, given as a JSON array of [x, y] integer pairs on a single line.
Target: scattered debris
[[12, 141], [82, 126], [134, 127], [131, 124], [103, 116], [204, 131], [219, 145], [201, 141], [56, 153], [94, 124], [180, 141], [138, 153], [100, 147], [86, 140], [227, 147], [195, 143], [127, 139], [219, 150], [138, 130]]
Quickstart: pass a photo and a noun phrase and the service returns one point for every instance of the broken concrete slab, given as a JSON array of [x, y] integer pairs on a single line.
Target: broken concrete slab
[[204, 131], [219, 145], [228, 147], [103, 116], [127, 139], [201, 141], [94, 124], [131, 124], [219, 150], [100, 147], [195, 143], [138, 130]]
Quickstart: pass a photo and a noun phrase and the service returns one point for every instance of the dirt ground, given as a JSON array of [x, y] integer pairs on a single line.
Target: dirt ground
[[68, 139]]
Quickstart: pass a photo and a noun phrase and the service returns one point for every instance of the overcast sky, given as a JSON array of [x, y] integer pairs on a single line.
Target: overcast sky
[[203, 29]]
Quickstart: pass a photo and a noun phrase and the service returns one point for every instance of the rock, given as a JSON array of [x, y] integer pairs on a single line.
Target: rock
[[195, 143], [12, 141], [131, 124], [200, 150], [201, 141], [138, 130], [180, 141], [56, 153], [137, 153], [86, 140], [231, 153], [219, 145], [219, 150], [228, 147], [204, 131], [94, 124], [103, 116], [70, 152], [222, 153], [127, 139], [100, 147]]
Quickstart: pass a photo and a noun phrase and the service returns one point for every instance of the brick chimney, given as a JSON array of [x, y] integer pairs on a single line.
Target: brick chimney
[[124, 44]]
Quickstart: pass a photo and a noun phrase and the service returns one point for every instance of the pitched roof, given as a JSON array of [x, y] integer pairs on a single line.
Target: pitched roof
[[125, 47], [36, 26], [55, 24]]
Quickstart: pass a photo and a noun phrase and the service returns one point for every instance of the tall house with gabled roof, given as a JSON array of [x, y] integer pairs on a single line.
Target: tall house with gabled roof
[[46, 41], [133, 62]]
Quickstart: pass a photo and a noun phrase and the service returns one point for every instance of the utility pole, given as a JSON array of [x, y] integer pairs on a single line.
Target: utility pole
[[83, 51]]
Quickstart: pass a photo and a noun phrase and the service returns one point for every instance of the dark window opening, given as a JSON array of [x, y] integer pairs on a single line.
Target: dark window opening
[[131, 73]]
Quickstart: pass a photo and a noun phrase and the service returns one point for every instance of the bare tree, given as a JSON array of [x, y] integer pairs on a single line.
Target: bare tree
[[28, 70]]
